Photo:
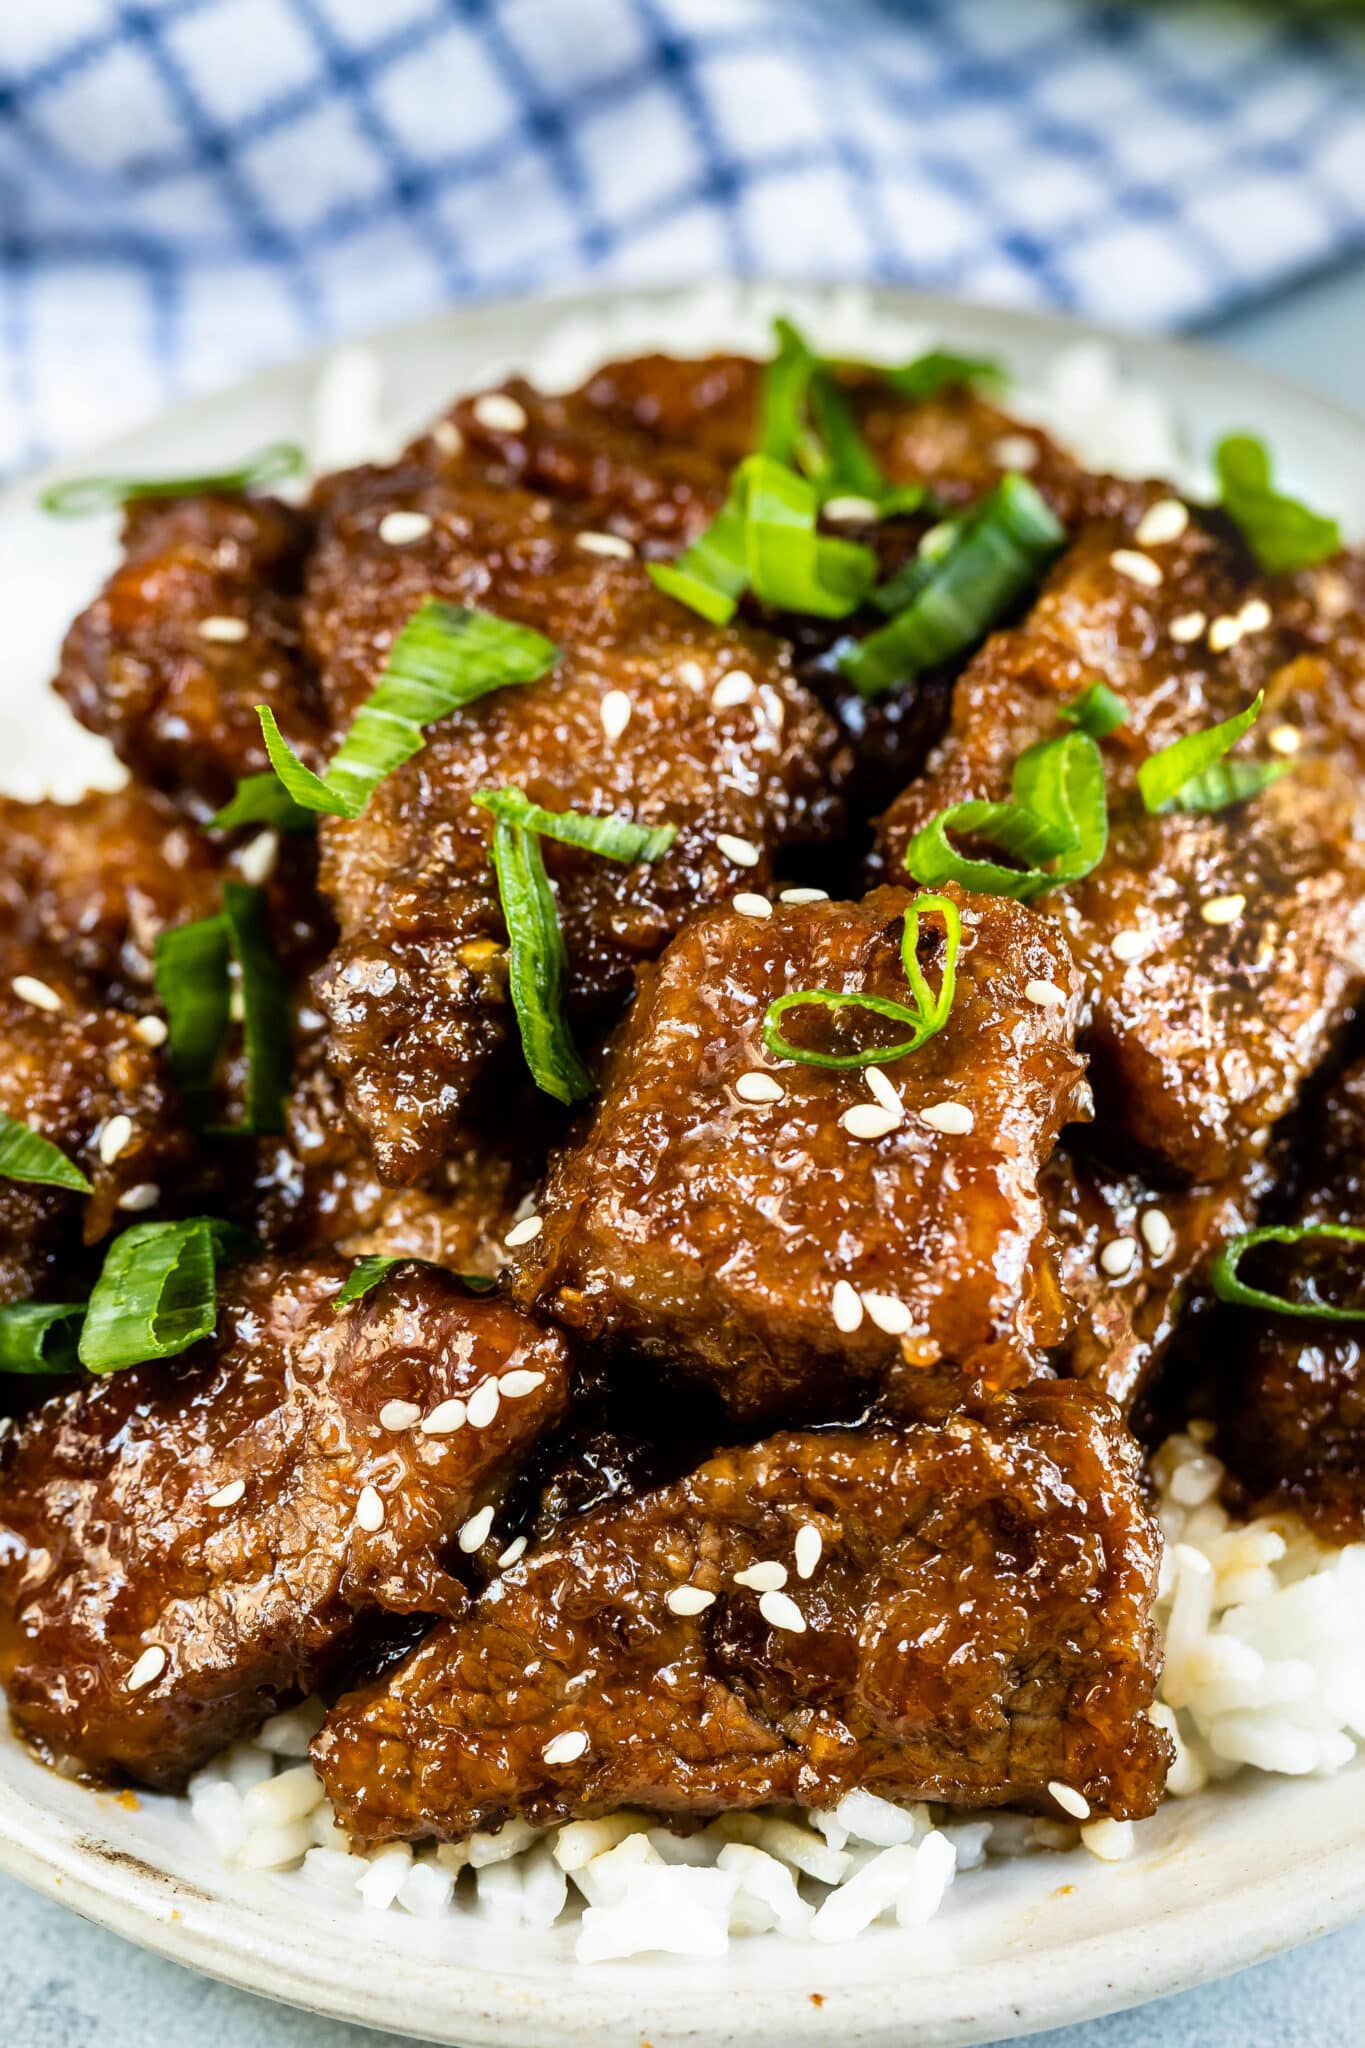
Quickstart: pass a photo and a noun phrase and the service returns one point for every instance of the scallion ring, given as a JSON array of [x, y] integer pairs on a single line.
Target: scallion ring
[[1055, 826], [40, 1336], [1229, 1287], [156, 1293], [926, 1012]]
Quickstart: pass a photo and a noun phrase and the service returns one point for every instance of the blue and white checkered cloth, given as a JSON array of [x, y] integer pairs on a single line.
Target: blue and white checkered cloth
[[191, 187]]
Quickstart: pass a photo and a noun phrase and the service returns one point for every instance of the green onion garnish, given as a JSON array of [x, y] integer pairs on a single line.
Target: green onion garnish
[[1192, 774], [1228, 1287], [923, 1015], [807, 423], [156, 1292], [538, 966], [263, 800], [446, 656], [765, 539], [1282, 533], [1057, 814], [991, 559], [192, 965], [82, 495], [614, 837], [1098, 710], [25, 1154], [366, 1274], [938, 370], [40, 1336], [265, 1007]]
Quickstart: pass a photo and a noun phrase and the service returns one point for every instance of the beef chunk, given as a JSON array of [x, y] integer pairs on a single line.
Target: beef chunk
[[702, 1226], [1291, 1389], [159, 663], [184, 1545], [416, 991], [971, 1625], [1221, 949]]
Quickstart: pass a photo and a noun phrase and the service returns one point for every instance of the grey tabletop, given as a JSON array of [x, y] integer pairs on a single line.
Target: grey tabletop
[[64, 1984]]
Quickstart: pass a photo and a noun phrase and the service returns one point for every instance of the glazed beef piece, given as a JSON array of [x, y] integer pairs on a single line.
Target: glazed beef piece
[[953, 1610], [84, 1077], [416, 991], [197, 625], [1222, 950], [1291, 1389], [184, 1545], [719, 1215]]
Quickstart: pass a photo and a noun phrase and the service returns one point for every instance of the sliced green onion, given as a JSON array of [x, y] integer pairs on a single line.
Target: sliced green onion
[[1281, 532], [1098, 710], [446, 656], [263, 800], [926, 1012], [537, 963], [266, 1016], [1228, 1287], [615, 838], [193, 980], [939, 370], [80, 496], [912, 577], [367, 1273], [156, 1293], [1057, 813], [40, 1336], [190, 965], [25, 1154], [1192, 774], [995, 556], [712, 575]]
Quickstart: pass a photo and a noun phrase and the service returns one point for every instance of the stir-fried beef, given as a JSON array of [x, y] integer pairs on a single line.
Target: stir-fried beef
[[951, 1610], [184, 1545], [720, 1213], [1222, 949], [196, 627], [416, 991]]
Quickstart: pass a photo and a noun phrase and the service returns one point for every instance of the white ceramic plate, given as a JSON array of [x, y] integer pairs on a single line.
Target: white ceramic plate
[[1219, 1881]]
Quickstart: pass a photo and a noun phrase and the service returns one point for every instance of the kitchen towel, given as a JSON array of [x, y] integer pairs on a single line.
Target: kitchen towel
[[192, 187]]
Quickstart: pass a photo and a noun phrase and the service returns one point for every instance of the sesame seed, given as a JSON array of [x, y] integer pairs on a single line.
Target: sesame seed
[[1046, 994], [145, 1195], [850, 507], [779, 1610], [256, 861], [1254, 616], [398, 528], [767, 1576], [687, 1600], [1110, 1840], [151, 1030], [759, 1087], [114, 1137], [29, 989], [1137, 568], [448, 437], [1187, 627], [1166, 520], [1224, 633], [515, 1549], [1015, 451], [524, 1232], [1117, 1256], [397, 1415], [482, 1405], [566, 1748], [223, 629], [445, 1419], [735, 687], [954, 1119], [369, 1510], [891, 1316], [147, 1669], [615, 712], [693, 674], [884, 1091], [1284, 739], [500, 413], [749, 904], [870, 1120], [604, 544], [1157, 1233], [516, 1385], [804, 896], [474, 1534], [1128, 946], [1067, 1797], [847, 1308], [1223, 909], [742, 852], [229, 1495], [808, 1546]]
